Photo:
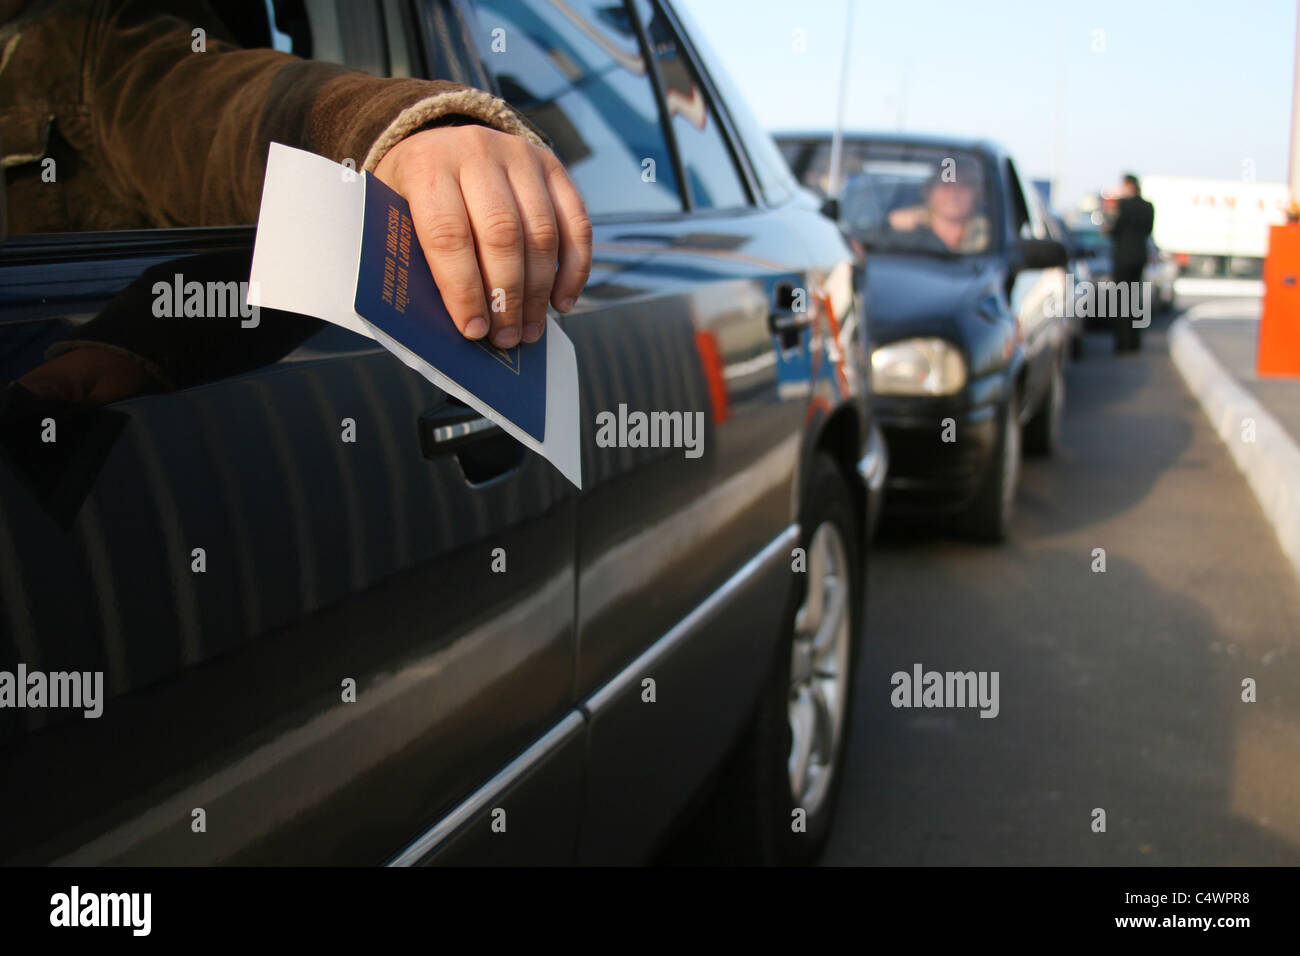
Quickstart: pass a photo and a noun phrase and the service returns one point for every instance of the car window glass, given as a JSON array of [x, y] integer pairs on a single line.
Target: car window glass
[[1091, 238], [770, 167], [353, 35], [1026, 225], [576, 70], [1038, 216], [706, 158], [795, 154], [363, 36], [811, 162]]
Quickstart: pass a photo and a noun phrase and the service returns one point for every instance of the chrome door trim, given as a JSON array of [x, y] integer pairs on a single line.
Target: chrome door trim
[[568, 728], [776, 551]]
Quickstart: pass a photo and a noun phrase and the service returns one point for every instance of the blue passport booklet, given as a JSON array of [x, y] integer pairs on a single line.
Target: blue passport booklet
[[397, 294]]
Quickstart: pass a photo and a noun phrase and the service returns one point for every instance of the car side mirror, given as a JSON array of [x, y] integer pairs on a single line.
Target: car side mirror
[[831, 208], [1043, 253]]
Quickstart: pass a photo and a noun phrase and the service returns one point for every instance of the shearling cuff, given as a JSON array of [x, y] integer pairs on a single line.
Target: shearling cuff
[[477, 105]]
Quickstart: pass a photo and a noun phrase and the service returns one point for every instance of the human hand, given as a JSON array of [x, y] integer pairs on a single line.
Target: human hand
[[905, 220], [495, 215], [89, 375]]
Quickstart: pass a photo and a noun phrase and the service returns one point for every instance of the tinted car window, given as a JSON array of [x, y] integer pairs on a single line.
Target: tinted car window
[[575, 69], [792, 151], [352, 35], [770, 167], [812, 162], [1029, 224], [1091, 239], [706, 158]]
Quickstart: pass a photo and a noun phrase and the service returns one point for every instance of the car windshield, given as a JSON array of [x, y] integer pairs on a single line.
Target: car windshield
[[917, 199]]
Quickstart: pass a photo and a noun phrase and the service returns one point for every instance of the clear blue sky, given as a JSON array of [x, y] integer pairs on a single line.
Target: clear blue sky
[[1189, 87]]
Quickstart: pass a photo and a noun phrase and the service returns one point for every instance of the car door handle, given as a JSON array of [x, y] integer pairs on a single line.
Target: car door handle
[[783, 320], [451, 427], [787, 321]]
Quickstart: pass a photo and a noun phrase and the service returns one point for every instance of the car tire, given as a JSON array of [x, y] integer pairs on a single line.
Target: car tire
[[988, 517], [1043, 432], [797, 736]]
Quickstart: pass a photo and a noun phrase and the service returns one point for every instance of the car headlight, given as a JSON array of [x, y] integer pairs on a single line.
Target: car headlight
[[917, 367]]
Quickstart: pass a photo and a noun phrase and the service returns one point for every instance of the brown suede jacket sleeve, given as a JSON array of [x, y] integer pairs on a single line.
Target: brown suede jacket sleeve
[[159, 133]]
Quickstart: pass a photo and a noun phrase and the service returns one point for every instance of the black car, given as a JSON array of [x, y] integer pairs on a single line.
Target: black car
[[403, 648], [964, 298]]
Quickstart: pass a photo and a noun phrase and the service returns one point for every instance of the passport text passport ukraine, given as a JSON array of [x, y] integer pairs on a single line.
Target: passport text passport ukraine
[[396, 293]]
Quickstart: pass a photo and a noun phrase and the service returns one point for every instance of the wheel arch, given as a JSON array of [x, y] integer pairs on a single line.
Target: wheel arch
[[841, 434]]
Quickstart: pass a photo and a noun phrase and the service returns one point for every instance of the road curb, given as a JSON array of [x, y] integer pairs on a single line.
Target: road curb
[[1271, 463]]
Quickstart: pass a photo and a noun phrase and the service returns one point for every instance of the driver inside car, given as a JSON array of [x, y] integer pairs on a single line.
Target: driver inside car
[[951, 207]]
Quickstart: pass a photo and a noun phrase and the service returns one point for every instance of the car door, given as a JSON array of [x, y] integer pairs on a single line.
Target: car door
[[697, 312], [1036, 295], [328, 630]]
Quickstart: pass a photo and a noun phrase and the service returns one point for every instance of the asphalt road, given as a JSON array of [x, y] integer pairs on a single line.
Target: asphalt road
[[1118, 690]]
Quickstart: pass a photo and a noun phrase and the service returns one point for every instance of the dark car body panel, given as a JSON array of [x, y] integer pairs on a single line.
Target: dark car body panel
[[485, 702]]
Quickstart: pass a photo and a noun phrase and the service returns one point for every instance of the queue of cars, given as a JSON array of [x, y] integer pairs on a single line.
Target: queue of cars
[[1161, 270], [407, 650], [403, 650]]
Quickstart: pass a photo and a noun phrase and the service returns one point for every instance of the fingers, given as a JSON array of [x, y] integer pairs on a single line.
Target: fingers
[[574, 233], [499, 237], [442, 225], [541, 242], [47, 383], [89, 374], [501, 224]]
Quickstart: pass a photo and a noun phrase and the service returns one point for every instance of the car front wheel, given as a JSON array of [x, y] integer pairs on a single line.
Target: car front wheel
[[988, 517], [777, 794]]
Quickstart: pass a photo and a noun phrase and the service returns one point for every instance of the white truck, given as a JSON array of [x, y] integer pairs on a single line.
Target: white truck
[[1215, 227]]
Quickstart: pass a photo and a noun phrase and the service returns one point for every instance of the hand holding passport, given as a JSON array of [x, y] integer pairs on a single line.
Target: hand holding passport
[[504, 223], [396, 292], [342, 248]]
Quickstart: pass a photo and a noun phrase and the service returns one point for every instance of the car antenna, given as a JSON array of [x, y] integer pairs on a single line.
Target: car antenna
[[833, 185]]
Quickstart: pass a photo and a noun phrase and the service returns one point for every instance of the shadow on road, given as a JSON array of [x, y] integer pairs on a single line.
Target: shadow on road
[[1115, 693], [1119, 690]]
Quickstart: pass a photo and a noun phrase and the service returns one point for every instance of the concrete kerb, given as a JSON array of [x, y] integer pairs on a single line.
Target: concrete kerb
[[1271, 463]]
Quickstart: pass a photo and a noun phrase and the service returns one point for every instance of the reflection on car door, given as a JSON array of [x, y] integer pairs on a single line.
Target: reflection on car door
[[320, 628], [332, 549], [683, 552]]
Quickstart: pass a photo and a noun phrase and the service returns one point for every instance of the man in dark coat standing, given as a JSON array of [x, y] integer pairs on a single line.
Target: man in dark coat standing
[[1128, 235]]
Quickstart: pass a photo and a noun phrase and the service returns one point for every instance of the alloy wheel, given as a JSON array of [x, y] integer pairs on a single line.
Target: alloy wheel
[[819, 665]]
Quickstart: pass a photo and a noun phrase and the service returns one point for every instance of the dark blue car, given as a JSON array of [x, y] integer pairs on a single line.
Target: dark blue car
[[964, 293]]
